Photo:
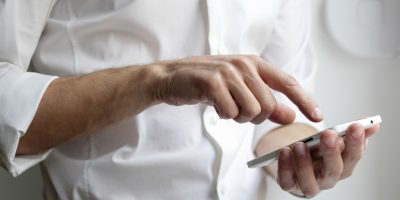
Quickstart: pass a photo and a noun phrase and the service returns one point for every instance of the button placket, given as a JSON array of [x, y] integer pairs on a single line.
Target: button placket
[[214, 33], [222, 189], [211, 123], [214, 118]]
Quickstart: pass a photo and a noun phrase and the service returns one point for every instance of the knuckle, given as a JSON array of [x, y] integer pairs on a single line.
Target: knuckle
[[334, 175], [301, 163], [214, 81], [250, 78], [347, 174], [306, 100], [254, 57], [252, 111], [328, 186], [269, 107], [262, 116], [231, 113], [289, 81], [285, 182], [353, 158], [227, 69], [243, 63]]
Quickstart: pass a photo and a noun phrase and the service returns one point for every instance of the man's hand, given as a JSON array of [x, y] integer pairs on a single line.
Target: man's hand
[[304, 172], [239, 87]]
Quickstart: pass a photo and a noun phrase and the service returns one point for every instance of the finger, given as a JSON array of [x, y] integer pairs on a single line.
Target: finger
[[341, 144], [248, 105], [264, 97], [246, 69], [281, 81], [304, 170], [316, 153], [353, 150], [269, 107], [365, 144], [333, 163], [276, 112], [318, 165], [286, 174], [371, 131], [282, 115], [225, 105]]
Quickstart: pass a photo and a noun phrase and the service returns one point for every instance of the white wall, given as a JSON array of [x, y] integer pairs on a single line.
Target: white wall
[[348, 88]]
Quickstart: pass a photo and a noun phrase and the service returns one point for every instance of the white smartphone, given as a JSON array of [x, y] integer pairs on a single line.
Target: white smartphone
[[313, 140]]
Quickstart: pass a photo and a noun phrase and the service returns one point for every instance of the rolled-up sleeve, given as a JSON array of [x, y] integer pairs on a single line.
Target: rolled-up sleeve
[[22, 23], [290, 49]]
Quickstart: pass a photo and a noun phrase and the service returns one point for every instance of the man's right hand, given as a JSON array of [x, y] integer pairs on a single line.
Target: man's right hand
[[239, 87]]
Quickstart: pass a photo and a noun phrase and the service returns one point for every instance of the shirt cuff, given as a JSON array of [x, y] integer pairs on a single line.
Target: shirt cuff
[[20, 96]]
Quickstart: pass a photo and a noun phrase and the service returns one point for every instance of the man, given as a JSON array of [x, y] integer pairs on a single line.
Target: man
[[149, 99]]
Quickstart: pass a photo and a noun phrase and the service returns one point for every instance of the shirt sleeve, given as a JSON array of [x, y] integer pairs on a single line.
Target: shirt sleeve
[[290, 49], [22, 23]]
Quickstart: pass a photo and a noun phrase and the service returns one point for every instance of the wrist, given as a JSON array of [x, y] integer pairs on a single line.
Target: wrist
[[152, 80]]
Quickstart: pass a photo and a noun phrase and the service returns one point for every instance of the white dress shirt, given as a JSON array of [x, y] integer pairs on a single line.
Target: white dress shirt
[[165, 152]]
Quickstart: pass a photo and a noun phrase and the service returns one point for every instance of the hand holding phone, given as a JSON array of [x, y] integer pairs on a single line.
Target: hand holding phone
[[313, 140]]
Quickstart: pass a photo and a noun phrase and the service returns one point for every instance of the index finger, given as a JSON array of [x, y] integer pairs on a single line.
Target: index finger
[[288, 85]]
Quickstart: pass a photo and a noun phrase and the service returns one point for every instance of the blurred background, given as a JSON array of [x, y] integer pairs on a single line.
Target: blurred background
[[349, 86]]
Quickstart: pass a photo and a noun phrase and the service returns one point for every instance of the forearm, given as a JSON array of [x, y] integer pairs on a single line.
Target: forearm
[[76, 106]]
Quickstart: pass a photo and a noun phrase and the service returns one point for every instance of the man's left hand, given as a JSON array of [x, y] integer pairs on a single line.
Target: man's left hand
[[306, 172]]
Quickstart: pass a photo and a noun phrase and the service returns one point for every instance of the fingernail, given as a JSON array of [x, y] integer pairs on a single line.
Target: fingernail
[[300, 149], [317, 114], [330, 140], [357, 134]]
